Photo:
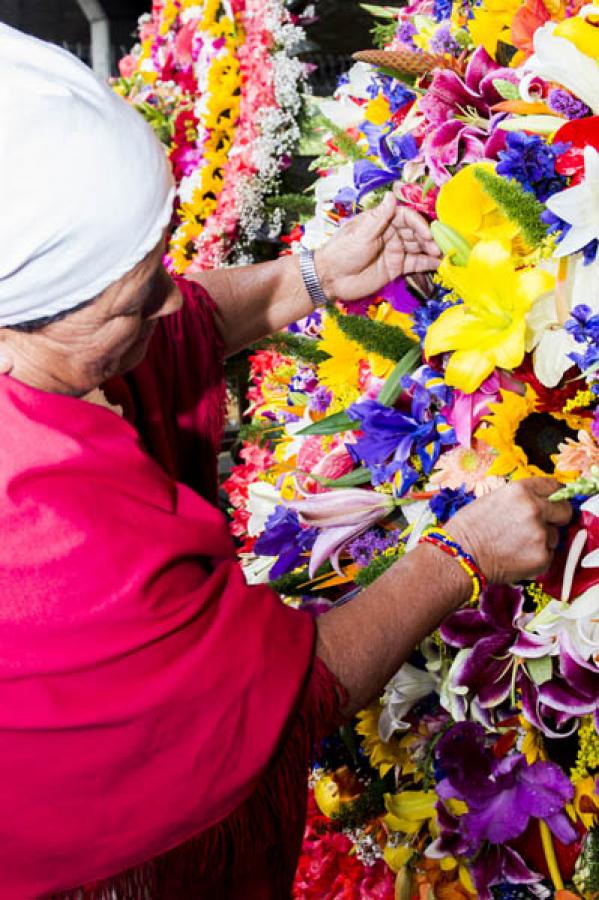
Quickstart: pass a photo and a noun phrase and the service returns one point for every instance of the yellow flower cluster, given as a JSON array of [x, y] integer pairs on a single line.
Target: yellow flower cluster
[[220, 112], [587, 761]]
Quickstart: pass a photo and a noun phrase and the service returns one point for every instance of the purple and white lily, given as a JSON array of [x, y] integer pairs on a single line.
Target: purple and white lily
[[341, 515]]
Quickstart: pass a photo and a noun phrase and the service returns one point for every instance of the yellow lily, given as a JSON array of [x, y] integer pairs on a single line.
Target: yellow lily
[[489, 329], [408, 811], [465, 206], [492, 22]]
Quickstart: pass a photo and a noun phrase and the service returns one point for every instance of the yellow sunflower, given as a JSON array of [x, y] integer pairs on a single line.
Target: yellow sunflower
[[501, 433], [383, 755]]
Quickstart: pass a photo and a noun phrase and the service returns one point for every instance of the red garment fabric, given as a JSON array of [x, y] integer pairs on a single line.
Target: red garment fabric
[[146, 690]]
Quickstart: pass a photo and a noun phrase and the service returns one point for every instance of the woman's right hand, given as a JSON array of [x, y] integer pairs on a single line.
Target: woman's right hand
[[513, 532]]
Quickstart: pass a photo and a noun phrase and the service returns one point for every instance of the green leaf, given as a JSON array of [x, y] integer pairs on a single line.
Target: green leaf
[[506, 89], [392, 387], [540, 670], [383, 12], [533, 124], [352, 479], [334, 424]]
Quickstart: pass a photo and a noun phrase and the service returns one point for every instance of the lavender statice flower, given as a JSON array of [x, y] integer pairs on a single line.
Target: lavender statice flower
[[531, 161], [371, 544], [444, 42], [405, 34], [321, 399], [564, 104]]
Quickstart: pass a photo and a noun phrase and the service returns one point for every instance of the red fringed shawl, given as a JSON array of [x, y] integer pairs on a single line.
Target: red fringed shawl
[[157, 714]]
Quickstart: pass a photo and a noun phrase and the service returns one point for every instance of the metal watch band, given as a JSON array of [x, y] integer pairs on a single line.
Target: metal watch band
[[311, 279]]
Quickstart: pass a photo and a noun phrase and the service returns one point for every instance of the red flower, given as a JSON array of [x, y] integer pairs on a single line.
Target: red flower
[[579, 133]]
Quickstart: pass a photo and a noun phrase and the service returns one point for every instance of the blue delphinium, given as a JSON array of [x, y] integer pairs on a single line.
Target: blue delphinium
[[429, 312], [449, 501], [583, 325], [442, 10], [531, 161]]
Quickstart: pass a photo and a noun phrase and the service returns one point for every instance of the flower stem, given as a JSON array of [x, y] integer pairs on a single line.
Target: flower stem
[[561, 293], [549, 851]]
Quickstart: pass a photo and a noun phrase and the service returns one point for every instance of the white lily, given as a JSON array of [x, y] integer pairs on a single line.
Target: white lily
[[579, 207], [546, 336], [342, 113], [263, 498], [256, 569], [575, 623], [557, 60], [403, 691]]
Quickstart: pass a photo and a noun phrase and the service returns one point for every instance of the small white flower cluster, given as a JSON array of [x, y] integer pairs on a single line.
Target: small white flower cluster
[[368, 851]]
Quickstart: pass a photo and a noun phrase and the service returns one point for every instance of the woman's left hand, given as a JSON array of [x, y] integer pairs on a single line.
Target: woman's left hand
[[373, 248]]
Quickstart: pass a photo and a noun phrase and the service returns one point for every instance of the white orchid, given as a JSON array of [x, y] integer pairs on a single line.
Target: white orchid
[[579, 206]]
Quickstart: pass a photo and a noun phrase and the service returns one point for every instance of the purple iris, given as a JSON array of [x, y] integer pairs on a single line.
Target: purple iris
[[393, 152], [502, 795], [389, 438], [284, 537], [396, 93], [531, 161], [430, 311]]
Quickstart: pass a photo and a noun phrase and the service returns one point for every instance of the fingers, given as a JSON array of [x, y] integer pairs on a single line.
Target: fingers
[[542, 487], [420, 262], [557, 513], [406, 217], [552, 538]]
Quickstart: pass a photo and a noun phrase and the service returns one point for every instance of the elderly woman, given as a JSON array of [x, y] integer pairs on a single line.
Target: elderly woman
[[157, 714]]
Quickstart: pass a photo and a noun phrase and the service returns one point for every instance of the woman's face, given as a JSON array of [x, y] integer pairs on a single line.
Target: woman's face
[[108, 337]]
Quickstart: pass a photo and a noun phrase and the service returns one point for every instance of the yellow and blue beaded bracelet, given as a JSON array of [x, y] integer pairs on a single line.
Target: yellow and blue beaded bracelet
[[439, 538]]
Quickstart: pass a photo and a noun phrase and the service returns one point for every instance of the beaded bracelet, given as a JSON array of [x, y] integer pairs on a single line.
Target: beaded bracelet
[[438, 537]]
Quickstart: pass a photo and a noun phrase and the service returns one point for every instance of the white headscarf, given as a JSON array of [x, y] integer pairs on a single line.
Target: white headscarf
[[85, 187]]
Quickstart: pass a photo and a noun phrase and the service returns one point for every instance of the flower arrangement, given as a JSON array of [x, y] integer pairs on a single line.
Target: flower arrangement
[[219, 82], [475, 774]]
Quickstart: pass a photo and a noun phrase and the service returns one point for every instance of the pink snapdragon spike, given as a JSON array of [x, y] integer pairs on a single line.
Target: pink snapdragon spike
[[342, 515]]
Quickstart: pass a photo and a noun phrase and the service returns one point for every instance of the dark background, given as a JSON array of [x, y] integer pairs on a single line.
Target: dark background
[[342, 28]]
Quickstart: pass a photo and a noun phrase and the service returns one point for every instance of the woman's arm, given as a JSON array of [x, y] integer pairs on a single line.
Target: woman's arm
[[511, 533], [366, 254]]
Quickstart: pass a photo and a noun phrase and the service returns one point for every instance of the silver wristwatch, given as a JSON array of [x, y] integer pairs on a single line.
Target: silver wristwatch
[[311, 279]]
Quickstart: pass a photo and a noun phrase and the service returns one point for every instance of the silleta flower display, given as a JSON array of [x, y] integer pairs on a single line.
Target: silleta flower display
[[219, 82], [475, 774]]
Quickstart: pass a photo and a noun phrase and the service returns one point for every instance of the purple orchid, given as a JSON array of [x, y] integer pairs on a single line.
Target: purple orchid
[[502, 795], [488, 633], [460, 125], [492, 864]]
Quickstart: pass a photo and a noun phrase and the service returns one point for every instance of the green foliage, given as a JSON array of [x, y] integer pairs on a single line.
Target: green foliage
[[260, 432], [367, 806], [334, 424], [296, 205], [388, 341], [305, 349], [506, 89], [294, 583], [370, 573], [383, 33], [519, 205]]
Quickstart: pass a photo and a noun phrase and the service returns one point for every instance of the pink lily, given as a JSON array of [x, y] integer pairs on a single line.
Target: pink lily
[[342, 515]]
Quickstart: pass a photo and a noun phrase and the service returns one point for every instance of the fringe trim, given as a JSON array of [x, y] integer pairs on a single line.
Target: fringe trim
[[253, 853]]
